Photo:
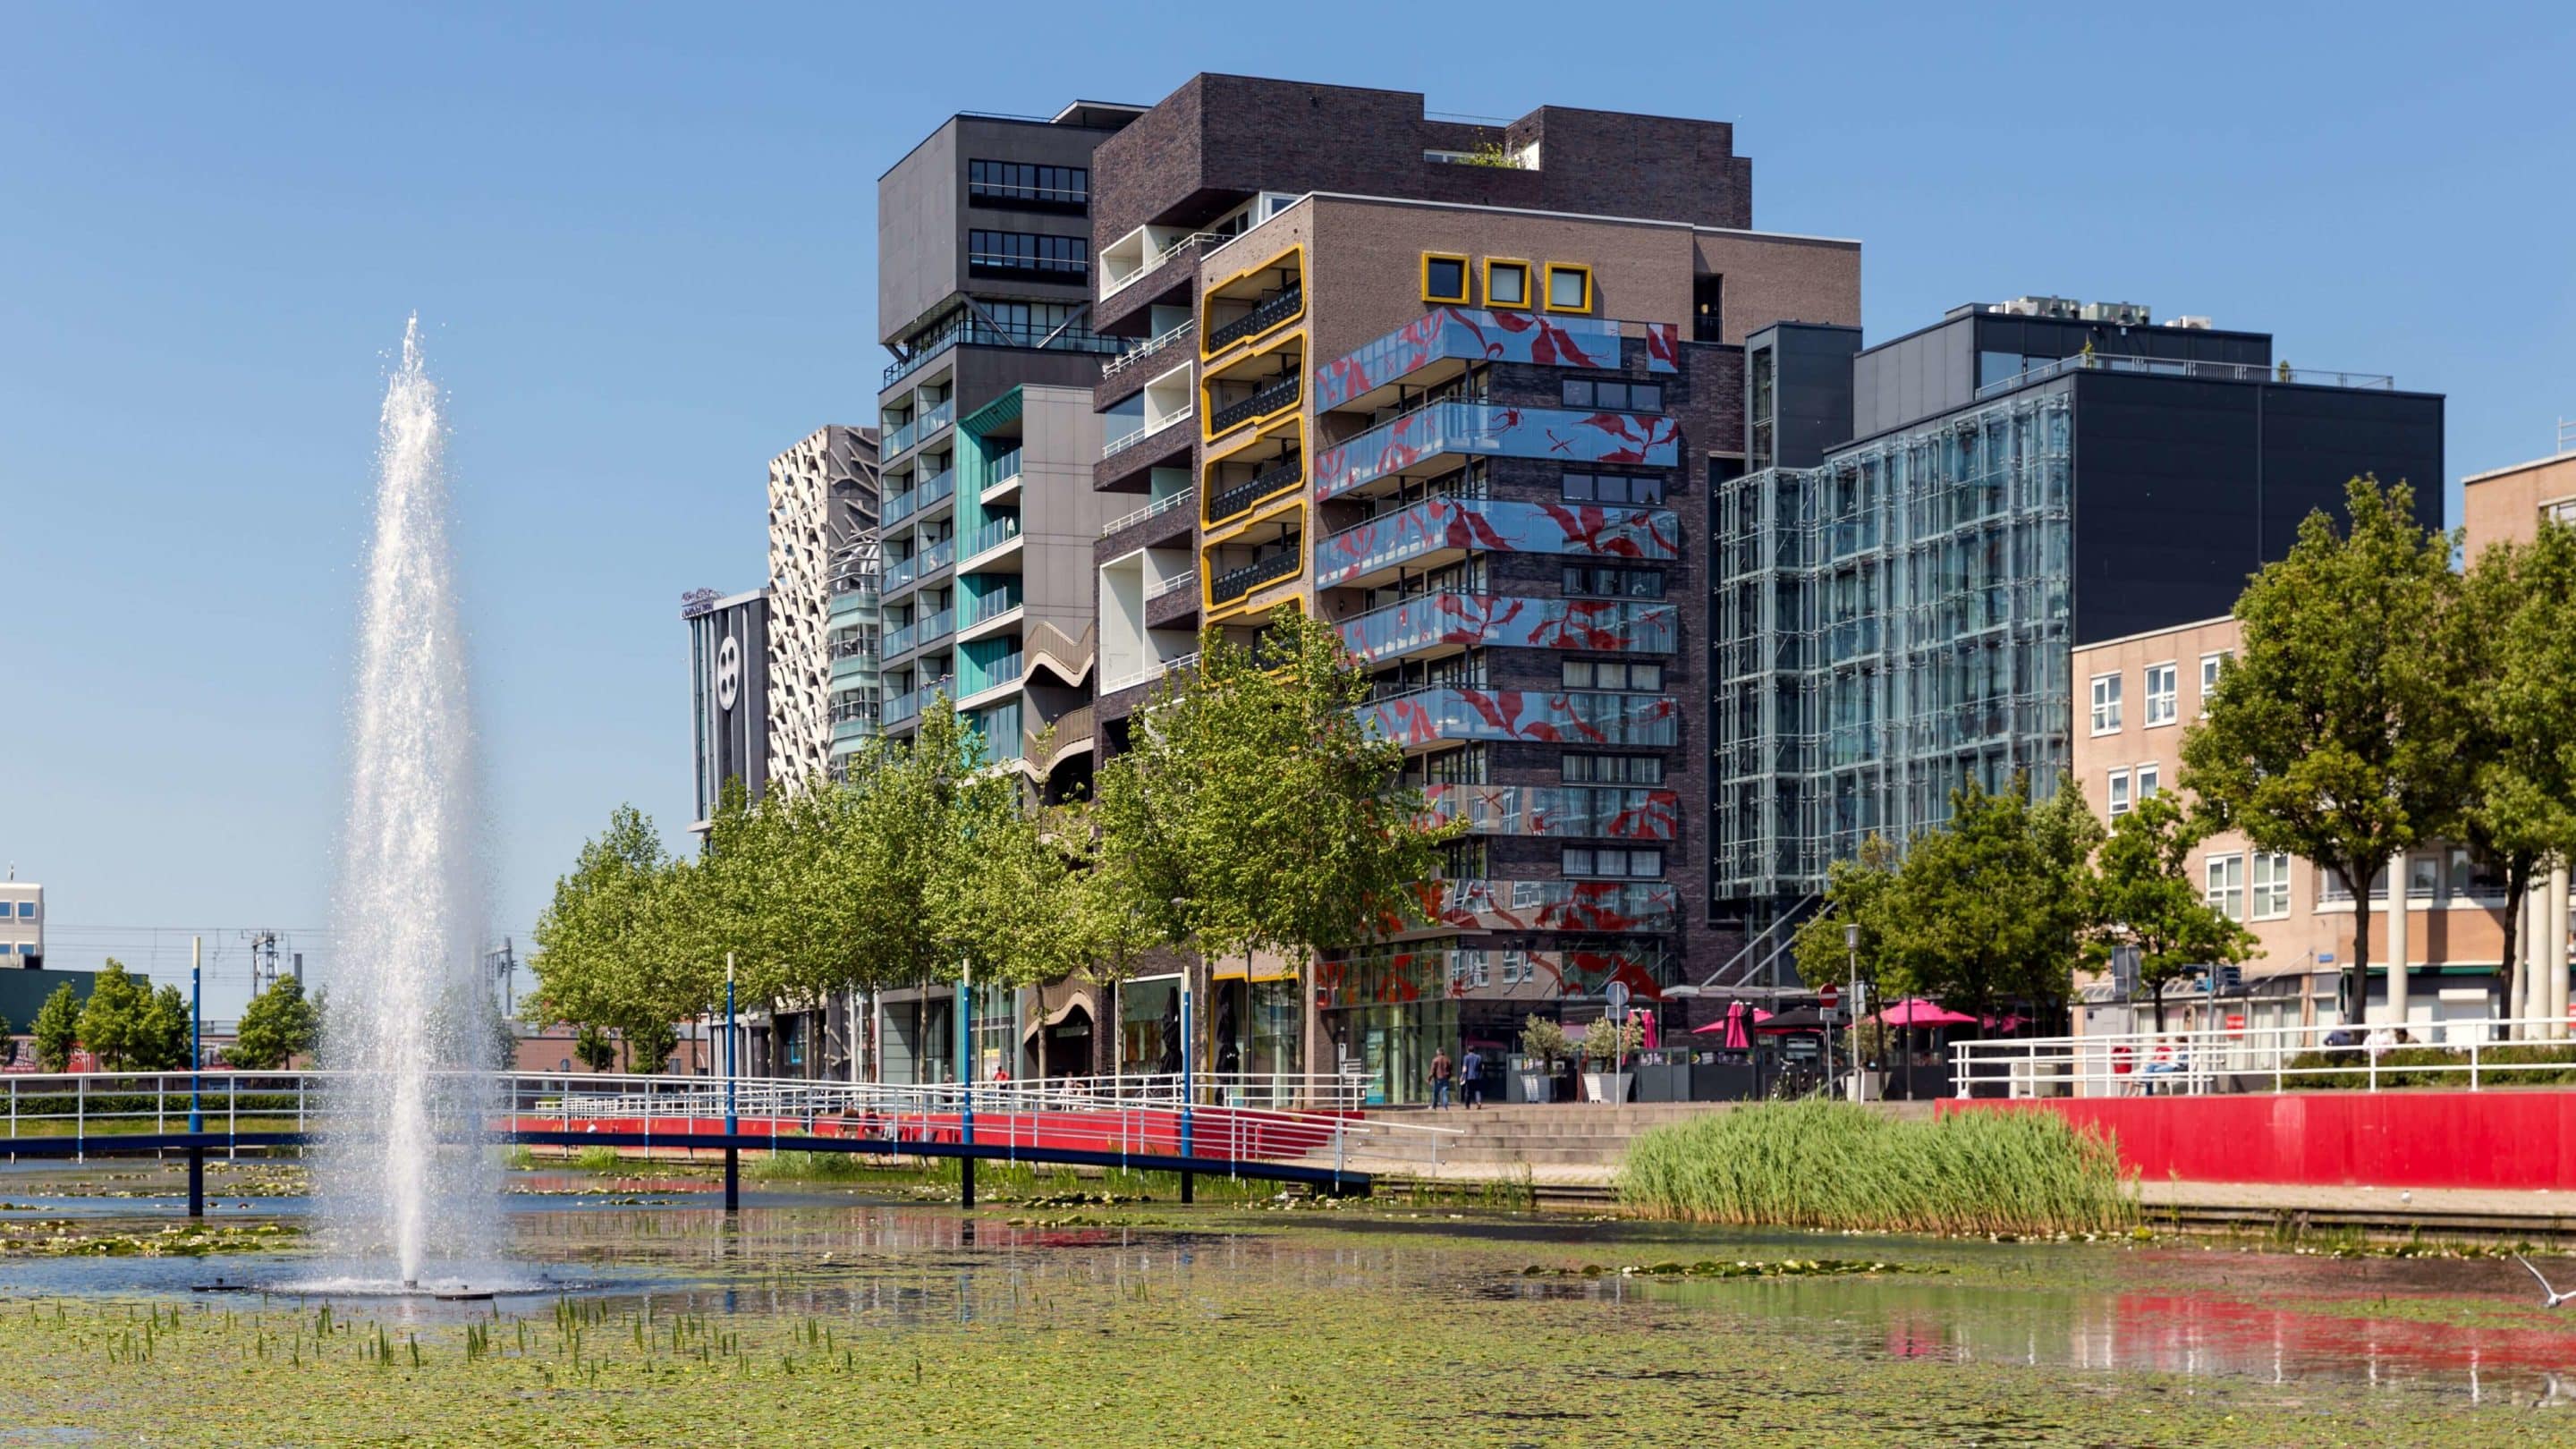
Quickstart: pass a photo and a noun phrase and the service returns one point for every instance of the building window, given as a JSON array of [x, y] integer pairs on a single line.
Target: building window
[[2560, 511], [2226, 878], [1457, 767], [2119, 794], [1050, 188], [1039, 255], [1640, 397], [1708, 309], [1604, 581], [1614, 674], [2149, 778], [1611, 769], [26, 910], [2164, 694], [2271, 885], [1506, 283], [2106, 704], [1613, 488], [1613, 864], [1444, 277], [1569, 288], [2210, 664]]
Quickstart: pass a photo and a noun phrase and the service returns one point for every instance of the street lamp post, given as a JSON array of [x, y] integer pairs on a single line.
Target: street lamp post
[[196, 1075], [1189, 1059], [1851, 1023], [732, 1152]]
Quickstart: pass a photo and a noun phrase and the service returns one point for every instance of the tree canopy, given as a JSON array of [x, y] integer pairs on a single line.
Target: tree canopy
[[279, 1024], [2144, 900], [112, 1024], [2337, 732], [57, 1029]]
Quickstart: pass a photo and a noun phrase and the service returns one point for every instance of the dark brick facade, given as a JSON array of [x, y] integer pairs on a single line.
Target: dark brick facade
[[1220, 138]]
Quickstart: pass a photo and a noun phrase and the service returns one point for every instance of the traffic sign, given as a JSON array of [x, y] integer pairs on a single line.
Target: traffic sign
[[1615, 994], [1830, 998]]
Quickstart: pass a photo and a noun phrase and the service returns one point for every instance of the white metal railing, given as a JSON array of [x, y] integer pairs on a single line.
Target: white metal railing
[[2180, 367], [1147, 348], [2469, 1054], [1153, 258], [1232, 1115], [1164, 504], [1172, 585], [1152, 671], [1127, 440]]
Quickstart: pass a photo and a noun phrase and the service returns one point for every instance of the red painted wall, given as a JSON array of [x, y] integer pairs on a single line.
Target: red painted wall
[[2505, 1140]]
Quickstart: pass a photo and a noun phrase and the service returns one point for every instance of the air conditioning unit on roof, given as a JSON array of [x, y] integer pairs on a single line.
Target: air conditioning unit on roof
[[2120, 314]]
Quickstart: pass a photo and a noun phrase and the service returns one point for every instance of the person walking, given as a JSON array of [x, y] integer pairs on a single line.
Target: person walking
[[1471, 1078], [1440, 1073]]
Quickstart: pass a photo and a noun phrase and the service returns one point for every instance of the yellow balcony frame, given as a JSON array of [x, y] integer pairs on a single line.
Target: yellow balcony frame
[[1207, 473], [1208, 378], [1210, 611], [1209, 298]]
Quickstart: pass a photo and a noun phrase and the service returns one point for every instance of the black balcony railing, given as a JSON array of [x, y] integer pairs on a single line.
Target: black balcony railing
[[1235, 583], [1269, 400], [1260, 319], [1261, 485]]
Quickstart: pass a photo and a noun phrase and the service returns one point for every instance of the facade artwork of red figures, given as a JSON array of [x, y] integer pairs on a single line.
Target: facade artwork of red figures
[[1603, 810], [1392, 976], [1444, 712], [1435, 524], [1564, 435], [1484, 620], [1470, 334]]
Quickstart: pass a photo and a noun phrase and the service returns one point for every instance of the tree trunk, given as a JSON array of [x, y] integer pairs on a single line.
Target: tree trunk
[[2356, 977], [2158, 991]]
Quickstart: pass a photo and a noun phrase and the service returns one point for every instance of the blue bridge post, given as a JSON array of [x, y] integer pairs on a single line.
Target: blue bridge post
[[733, 1128], [196, 1075]]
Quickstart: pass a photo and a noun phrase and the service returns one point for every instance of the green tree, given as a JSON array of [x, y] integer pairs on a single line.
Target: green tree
[[1260, 811], [608, 953], [278, 1024], [2145, 900], [2511, 645], [1992, 906], [57, 1029], [594, 1048], [111, 1021], [649, 1048], [2337, 732], [8, 1043], [161, 1035], [1856, 892]]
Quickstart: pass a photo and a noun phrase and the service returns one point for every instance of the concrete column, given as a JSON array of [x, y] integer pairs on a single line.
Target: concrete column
[[2554, 963], [2518, 972], [2397, 945]]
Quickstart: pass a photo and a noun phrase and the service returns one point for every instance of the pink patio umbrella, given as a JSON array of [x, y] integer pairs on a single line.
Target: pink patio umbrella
[[1732, 1025], [1915, 1011]]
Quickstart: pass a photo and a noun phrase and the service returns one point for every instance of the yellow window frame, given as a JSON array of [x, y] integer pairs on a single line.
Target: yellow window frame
[[1548, 298], [1466, 276], [1528, 274]]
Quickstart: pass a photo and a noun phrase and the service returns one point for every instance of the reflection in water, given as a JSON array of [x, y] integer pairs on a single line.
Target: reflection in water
[[885, 1267]]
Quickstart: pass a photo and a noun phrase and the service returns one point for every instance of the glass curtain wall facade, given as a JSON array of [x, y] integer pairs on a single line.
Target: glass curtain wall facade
[[1888, 625]]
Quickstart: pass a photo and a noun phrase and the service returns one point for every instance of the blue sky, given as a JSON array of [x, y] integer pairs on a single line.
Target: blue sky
[[641, 241]]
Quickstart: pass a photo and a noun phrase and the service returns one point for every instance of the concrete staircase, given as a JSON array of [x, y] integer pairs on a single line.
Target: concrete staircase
[[1564, 1143]]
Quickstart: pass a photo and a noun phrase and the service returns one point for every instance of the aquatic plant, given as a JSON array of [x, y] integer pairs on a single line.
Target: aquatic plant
[[1835, 1165]]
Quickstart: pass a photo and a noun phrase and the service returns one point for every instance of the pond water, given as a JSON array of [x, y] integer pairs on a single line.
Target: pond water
[[1355, 1323]]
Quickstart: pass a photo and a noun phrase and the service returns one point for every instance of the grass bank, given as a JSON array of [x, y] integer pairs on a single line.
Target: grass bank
[[1834, 1165]]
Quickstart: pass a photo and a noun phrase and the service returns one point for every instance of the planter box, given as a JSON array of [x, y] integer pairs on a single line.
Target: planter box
[[1607, 1086]]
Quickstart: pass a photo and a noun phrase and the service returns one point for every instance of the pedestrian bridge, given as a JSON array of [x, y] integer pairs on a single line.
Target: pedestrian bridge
[[1234, 1127]]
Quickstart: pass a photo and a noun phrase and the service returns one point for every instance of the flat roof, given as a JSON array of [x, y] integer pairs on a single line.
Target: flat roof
[[2523, 467], [2155, 633]]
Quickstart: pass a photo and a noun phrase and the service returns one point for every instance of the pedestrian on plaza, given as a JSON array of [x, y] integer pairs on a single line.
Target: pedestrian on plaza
[[1440, 1070], [1471, 1075]]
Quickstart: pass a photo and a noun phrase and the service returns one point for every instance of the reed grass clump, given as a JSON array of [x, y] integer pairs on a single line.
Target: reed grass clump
[[1835, 1165]]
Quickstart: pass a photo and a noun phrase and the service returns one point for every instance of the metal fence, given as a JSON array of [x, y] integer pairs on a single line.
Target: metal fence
[[2471, 1055], [1237, 1116]]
